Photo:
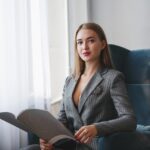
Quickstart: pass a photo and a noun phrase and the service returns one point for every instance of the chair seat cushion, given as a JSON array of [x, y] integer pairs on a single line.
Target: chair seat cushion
[[126, 141]]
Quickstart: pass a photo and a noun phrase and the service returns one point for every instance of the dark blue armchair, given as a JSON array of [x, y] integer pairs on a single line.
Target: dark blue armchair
[[135, 65]]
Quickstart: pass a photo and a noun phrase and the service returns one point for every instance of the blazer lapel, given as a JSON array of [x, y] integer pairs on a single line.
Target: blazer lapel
[[70, 102], [95, 80]]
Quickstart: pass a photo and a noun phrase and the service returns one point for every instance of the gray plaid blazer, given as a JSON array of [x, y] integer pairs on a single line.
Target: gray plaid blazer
[[104, 102]]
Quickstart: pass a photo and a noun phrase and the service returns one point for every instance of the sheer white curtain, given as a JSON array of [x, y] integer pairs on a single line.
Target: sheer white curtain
[[24, 62]]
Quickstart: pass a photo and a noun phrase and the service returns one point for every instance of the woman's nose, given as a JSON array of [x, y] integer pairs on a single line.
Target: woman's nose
[[85, 45]]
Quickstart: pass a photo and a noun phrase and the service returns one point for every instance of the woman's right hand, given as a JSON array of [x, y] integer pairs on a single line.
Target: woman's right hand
[[44, 145]]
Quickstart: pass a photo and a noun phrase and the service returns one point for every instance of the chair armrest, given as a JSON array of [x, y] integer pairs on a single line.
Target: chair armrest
[[32, 139]]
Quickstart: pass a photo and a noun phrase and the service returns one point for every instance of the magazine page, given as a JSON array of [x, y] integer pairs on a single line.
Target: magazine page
[[10, 118], [44, 125]]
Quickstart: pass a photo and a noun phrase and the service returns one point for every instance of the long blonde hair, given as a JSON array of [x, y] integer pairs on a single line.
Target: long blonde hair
[[79, 64]]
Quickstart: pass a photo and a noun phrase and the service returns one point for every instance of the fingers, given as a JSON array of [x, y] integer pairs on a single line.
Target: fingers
[[86, 140], [83, 135], [81, 132], [86, 133], [42, 141], [44, 145]]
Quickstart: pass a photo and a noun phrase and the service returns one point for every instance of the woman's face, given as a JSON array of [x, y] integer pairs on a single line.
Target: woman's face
[[89, 46]]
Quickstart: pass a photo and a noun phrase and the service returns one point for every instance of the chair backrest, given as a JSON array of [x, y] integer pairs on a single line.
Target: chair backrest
[[135, 65]]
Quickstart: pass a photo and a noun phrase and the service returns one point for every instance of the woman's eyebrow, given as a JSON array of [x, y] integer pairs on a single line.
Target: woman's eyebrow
[[91, 37], [79, 39], [88, 38]]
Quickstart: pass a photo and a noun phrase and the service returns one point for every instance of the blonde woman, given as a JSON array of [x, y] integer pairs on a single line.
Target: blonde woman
[[95, 100]]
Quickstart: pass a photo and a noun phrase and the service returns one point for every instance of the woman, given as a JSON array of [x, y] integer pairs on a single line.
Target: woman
[[95, 100]]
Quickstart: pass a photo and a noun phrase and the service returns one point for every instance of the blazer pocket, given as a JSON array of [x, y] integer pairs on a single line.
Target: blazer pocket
[[98, 91]]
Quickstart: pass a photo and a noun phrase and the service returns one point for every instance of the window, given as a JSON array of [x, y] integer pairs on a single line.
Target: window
[[33, 59]]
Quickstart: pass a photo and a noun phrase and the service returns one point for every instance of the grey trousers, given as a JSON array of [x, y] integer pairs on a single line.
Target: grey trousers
[[31, 147], [34, 147], [37, 147]]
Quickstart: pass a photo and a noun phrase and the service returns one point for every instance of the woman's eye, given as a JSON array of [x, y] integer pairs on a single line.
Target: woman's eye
[[92, 41], [79, 42]]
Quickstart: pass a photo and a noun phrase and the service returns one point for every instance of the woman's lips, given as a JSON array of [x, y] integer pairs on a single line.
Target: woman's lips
[[86, 53]]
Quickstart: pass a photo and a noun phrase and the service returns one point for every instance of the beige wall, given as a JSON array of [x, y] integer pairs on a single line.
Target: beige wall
[[55, 108], [126, 22], [58, 46]]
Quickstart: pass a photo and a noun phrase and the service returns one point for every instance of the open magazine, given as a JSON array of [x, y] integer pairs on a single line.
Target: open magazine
[[41, 123]]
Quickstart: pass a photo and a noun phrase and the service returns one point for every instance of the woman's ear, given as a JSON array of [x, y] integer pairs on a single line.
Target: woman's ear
[[103, 44]]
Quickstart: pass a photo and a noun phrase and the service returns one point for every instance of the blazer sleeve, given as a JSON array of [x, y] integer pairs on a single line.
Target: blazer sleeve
[[126, 120], [62, 114]]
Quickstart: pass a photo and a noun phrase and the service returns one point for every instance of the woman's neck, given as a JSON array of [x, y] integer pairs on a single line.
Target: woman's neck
[[91, 68]]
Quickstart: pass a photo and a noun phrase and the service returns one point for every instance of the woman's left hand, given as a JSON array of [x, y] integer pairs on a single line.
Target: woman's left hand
[[86, 133]]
